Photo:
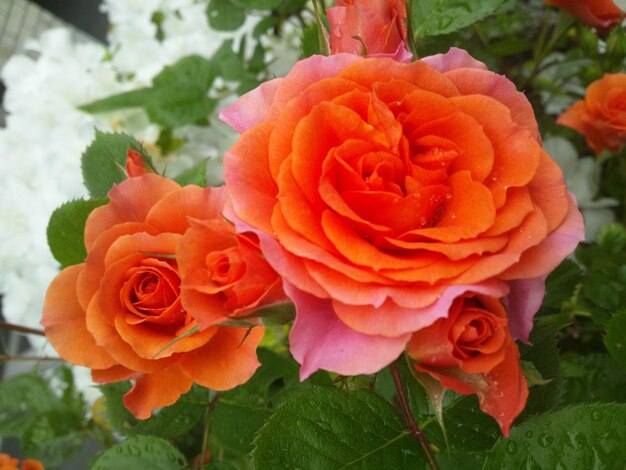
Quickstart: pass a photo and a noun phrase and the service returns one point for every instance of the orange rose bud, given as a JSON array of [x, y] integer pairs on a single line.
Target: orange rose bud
[[123, 312], [372, 27], [601, 116], [601, 14], [472, 351], [134, 164]]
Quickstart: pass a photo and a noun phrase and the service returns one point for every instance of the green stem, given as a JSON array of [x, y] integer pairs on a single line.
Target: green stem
[[409, 29], [408, 415]]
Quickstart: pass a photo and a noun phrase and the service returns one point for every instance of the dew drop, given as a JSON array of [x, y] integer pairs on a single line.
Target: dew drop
[[596, 415], [511, 447], [529, 434], [545, 440]]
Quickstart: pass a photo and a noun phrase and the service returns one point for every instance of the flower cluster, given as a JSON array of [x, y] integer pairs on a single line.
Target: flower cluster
[[401, 205], [163, 276]]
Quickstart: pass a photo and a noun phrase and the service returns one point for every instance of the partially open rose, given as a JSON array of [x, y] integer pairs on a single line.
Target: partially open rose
[[602, 14], [372, 27], [121, 312], [471, 351], [381, 191], [601, 116]]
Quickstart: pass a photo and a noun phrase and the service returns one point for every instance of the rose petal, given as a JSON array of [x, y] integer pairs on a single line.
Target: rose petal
[[65, 324], [319, 340], [160, 388]]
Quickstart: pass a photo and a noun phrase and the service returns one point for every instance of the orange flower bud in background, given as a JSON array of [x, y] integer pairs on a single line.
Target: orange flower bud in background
[[601, 115], [601, 14], [372, 27]]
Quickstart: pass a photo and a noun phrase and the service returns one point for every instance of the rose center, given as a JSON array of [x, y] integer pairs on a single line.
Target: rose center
[[151, 293], [225, 267]]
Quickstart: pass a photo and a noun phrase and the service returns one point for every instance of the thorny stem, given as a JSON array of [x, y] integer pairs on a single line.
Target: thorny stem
[[413, 427], [22, 329]]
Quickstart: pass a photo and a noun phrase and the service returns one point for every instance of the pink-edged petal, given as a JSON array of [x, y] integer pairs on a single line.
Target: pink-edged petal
[[305, 73], [401, 54], [391, 319], [319, 340], [523, 302], [251, 108], [455, 58]]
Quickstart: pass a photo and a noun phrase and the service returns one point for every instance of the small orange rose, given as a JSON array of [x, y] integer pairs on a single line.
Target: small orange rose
[[601, 116], [602, 14], [471, 351], [9, 463], [138, 309]]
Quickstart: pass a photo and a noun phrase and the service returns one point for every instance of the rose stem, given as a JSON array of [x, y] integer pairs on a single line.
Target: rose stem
[[207, 430], [413, 427], [10, 357], [22, 329]]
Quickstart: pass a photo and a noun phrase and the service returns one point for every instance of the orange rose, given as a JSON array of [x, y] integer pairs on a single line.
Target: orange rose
[[602, 14], [601, 116], [471, 351], [9, 463], [377, 27], [381, 191], [138, 309]]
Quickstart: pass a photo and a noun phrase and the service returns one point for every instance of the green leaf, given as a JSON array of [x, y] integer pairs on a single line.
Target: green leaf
[[543, 354], [170, 422], [194, 175], [468, 429], [66, 230], [561, 284], [49, 427], [53, 437], [592, 378], [328, 428], [532, 375], [435, 17], [104, 161], [615, 339], [257, 4], [128, 99], [239, 413], [224, 15], [576, 438], [180, 93], [21, 399], [310, 41], [140, 452]]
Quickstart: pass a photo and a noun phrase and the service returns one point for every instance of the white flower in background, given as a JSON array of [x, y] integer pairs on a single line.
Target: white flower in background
[[582, 179]]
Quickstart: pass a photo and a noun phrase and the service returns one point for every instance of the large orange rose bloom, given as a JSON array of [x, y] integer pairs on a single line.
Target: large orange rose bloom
[[602, 14], [601, 116], [381, 191], [471, 351], [120, 312], [378, 26]]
